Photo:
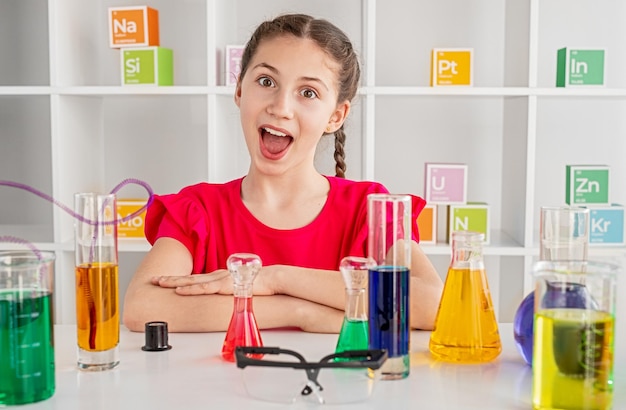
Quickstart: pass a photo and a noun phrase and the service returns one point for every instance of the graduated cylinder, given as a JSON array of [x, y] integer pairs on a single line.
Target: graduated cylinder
[[97, 300], [465, 328], [389, 246]]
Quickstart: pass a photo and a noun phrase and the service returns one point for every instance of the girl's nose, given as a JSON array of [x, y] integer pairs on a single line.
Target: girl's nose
[[281, 105]]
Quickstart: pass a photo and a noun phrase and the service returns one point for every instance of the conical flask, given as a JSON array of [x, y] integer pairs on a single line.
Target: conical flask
[[466, 330], [243, 329], [354, 330]]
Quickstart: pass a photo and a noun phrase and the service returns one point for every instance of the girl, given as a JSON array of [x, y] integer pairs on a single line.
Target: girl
[[298, 78]]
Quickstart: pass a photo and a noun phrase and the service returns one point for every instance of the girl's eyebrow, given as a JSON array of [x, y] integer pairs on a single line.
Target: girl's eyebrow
[[275, 71]]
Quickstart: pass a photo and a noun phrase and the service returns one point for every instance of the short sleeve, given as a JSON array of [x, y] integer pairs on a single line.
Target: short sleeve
[[178, 216]]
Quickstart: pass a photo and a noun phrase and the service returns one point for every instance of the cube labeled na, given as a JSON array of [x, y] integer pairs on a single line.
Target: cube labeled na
[[147, 66], [133, 26]]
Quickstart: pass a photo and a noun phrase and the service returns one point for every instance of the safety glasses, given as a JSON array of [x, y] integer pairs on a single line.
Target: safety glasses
[[278, 376]]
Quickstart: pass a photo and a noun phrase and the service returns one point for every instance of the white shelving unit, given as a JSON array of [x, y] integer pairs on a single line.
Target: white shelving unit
[[66, 124]]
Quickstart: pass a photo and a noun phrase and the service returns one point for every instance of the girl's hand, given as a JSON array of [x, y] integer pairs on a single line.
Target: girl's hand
[[218, 282]]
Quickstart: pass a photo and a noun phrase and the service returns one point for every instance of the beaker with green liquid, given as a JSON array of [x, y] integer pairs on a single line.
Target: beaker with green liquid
[[354, 330]]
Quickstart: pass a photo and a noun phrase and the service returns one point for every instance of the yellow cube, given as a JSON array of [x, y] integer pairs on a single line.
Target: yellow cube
[[134, 227], [451, 66]]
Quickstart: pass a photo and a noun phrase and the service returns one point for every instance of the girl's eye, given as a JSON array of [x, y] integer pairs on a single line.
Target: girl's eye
[[308, 93], [265, 82]]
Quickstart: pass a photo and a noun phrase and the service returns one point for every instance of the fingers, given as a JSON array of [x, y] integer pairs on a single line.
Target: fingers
[[206, 288], [188, 280]]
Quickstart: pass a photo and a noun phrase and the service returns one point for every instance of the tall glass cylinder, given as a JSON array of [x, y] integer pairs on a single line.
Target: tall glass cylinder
[[389, 246], [564, 233], [97, 297]]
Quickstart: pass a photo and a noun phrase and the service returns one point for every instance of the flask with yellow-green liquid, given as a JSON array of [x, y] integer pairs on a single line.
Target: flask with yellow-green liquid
[[466, 330]]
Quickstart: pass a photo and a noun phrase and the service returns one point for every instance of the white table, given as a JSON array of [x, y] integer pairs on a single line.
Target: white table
[[192, 375]]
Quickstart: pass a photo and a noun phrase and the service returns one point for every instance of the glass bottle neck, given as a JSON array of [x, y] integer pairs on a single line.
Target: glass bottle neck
[[356, 304], [467, 255], [242, 291]]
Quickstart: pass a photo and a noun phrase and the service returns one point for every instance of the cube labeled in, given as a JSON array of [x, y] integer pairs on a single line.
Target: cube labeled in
[[469, 217], [587, 184], [232, 66], [445, 183], [580, 67], [133, 26], [147, 66], [451, 66], [134, 227], [427, 224], [606, 226]]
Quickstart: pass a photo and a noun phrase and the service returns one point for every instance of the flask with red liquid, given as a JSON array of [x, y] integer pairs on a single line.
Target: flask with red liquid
[[243, 329]]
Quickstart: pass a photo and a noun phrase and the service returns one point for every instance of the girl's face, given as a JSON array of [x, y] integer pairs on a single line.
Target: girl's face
[[287, 100]]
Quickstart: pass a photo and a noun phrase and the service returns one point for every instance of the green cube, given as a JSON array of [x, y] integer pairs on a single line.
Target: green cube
[[587, 184], [473, 216], [580, 67], [147, 66]]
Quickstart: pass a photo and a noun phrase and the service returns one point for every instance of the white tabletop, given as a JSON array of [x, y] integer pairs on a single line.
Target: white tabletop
[[192, 375]]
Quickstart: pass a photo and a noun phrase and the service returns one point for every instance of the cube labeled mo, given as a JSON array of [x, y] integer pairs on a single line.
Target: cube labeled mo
[[133, 26], [134, 227]]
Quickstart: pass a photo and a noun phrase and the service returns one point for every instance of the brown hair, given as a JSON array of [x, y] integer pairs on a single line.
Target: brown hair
[[330, 39]]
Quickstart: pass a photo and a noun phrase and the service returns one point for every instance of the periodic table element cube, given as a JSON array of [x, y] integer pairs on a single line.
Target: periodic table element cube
[[469, 217], [134, 227], [452, 66], [133, 26], [232, 66], [606, 226], [445, 183], [147, 66], [580, 67], [427, 224], [587, 185]]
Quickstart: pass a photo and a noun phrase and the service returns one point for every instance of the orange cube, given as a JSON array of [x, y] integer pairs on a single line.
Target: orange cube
[[133, 26], [427, 224]]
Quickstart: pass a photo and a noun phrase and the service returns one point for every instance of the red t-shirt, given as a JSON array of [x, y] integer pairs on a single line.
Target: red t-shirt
[[213, 223]]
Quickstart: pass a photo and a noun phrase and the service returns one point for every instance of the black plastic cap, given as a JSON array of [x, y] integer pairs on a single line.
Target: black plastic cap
[[156, 337]]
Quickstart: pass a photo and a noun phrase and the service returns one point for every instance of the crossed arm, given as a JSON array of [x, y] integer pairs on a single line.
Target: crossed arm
[[284, 296]]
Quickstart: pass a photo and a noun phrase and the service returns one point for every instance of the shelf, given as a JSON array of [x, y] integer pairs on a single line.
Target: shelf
[[67, 125]]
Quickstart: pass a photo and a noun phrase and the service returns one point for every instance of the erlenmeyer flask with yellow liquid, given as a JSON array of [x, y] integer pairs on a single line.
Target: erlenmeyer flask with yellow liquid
[[466, 330]]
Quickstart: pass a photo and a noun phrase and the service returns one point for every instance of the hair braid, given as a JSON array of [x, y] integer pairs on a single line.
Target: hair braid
[[340, 155]]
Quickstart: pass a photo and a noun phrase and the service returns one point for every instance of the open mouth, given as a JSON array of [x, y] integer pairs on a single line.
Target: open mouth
[[274, 142]]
